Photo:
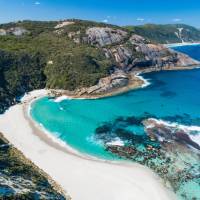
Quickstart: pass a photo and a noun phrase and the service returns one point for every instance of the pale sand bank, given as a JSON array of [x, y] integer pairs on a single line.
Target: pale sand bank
[[83, 179], [181, 44]]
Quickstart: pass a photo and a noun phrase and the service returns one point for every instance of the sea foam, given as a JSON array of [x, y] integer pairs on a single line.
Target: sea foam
[[146, 81], [192, 131]]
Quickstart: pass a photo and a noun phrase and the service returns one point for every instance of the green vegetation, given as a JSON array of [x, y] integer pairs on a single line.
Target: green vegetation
[[23, 176], [24, 60], [166, 33], [82, 67], [43, 56], [19, 72]]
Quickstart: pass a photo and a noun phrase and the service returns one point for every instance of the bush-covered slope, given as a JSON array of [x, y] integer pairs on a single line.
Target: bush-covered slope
[[27, 59], [74, 54], [19, 73], [171, 33]]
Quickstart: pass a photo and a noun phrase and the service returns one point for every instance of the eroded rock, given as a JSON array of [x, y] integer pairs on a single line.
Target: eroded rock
[[102, 36]]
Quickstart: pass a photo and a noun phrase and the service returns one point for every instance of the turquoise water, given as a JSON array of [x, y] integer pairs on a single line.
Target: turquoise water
[[171, 93], [172, 96]]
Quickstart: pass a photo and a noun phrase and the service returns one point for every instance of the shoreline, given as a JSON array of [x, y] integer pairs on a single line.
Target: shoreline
[[181, 44], [136, 82], [81, 178]]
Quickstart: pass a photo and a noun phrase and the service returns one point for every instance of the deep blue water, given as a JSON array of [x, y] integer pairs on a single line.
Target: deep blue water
[[193, 50], [173, 96]]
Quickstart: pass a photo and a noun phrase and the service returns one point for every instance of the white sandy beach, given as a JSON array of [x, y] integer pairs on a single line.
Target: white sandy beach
[[81, 178]]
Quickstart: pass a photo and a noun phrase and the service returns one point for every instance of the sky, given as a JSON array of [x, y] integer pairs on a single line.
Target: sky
[[120, 12]]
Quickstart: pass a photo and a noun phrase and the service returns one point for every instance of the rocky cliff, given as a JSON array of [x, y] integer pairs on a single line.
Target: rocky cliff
[[131, 50], [128, 52], [81, 56]]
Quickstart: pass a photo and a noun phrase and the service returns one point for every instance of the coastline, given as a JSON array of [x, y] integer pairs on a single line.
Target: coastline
[[81, 178], [136, 82], [181, 44]]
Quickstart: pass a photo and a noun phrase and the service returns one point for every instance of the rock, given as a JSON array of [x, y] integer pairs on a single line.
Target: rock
[[64, 23], [102, 36], [137, 39], [2, 32], [184, 60], [122, 55], [122, 151], [17, 31], [169, 133], [107, 84]]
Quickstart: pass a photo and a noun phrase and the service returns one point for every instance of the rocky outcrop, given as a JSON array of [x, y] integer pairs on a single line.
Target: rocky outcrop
[[102, 36], [135, 51], [137, 39], [122, 55], [170, 133], [63, 24], [184, 60], [116, 80], [17, 31], [2, 32], [128, 52]]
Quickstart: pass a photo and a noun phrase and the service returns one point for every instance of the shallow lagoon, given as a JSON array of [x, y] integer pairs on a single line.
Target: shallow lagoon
[[172, 95]]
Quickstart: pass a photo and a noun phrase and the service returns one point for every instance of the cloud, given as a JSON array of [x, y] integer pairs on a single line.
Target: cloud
[[105, 21], [140, 19], [37, 3], [177, 20]]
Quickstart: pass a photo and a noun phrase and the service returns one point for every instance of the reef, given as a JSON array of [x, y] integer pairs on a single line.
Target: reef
[[166, 148]]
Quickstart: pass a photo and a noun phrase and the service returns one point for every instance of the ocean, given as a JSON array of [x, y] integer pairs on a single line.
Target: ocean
[[138, 119]]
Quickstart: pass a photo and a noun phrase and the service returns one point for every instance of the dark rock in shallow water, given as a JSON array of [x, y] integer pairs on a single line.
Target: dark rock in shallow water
[[164, 149], [169, 133], [183, 137], [122, 151], [168, 94]]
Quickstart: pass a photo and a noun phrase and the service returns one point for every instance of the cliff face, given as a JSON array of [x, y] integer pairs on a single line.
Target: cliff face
[[105, 36], [131, 50], [128, 52]]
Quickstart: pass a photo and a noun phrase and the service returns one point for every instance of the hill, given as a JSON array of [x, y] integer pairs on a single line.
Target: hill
[[165, 34], [80, 56]]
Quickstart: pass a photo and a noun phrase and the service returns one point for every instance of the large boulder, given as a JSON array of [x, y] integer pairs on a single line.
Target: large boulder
[[105, 85], [2, 32], [105, 36]]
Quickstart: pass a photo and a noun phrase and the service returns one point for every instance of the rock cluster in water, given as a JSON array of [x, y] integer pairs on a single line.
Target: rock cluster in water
[[167, 150]]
